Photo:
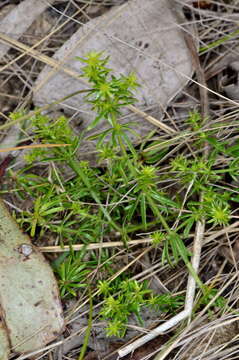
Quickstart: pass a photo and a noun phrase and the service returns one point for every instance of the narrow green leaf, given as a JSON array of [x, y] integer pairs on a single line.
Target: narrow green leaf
[[143, 210]]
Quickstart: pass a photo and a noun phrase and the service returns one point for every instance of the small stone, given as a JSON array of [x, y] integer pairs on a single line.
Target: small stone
[[25, 249]]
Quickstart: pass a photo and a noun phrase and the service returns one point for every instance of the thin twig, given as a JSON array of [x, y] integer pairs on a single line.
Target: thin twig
[[95, 246], [33, 146], [153, 333], [76, 247], [152, 120], [197, 246]]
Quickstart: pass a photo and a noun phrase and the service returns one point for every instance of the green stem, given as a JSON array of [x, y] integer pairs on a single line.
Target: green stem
[[133, 228], [161, 218], [87, 333], [74, 165], [40, 110]]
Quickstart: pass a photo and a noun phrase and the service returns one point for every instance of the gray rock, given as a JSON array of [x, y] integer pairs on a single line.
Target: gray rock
[[139, 36]]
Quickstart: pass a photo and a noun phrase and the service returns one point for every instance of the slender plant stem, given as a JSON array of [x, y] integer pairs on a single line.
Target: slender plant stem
[[88, 330], [85, 180]]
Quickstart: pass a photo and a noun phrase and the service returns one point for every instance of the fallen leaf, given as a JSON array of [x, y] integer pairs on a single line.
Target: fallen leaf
[[4, 344], [30, 306]]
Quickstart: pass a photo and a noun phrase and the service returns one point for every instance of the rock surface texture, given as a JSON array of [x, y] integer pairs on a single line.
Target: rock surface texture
[[140, 36]]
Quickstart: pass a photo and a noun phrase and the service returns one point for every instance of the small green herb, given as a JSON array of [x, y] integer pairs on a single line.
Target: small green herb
[[129, 190], [132, 297], [72, 274]]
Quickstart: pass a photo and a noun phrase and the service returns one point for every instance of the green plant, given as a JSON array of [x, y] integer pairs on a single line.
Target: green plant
[[130, 190], [128, 297], [205, 299], [107, 97], [126, 181], [44, 208], [71, 274]]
